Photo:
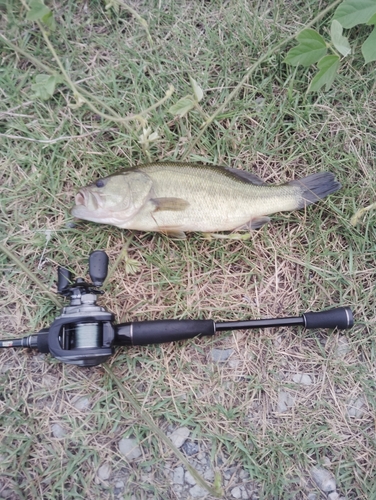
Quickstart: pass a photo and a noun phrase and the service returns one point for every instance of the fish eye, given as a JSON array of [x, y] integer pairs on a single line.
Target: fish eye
[[99, 183]]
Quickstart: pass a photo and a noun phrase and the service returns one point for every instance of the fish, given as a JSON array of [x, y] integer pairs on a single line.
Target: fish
[[179, 197]]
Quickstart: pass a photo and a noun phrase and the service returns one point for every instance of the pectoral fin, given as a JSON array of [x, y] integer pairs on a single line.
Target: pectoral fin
[[174, 234], [172, 204]]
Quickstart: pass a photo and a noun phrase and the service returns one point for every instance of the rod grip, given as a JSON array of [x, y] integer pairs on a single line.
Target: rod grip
[[340, 317], [157, 332]]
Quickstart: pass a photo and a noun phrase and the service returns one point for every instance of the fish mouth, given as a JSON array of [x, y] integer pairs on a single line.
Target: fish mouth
[[87, 200], [80, 198]]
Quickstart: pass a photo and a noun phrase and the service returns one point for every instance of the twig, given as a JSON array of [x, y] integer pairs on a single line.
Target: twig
[[46, 141]]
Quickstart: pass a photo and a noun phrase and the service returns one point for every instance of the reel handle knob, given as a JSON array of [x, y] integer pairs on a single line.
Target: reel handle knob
[[64, 279], [98, 267]]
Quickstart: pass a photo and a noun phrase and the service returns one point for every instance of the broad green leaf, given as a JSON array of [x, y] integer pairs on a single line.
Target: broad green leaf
[[37, 11], [49, 21], [183, 106], [328, 67], [44, 86], [197, 90], [369, 47], [311, 48], [372, 20], [340, 42], [352, 12]]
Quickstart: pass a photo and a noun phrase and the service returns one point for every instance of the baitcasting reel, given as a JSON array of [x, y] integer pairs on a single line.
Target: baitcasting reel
[[84, 334]]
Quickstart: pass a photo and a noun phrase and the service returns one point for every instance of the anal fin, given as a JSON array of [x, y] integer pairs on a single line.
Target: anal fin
[[258, 222]]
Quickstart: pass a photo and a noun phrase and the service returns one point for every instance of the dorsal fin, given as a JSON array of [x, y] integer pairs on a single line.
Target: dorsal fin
[[245, 176]]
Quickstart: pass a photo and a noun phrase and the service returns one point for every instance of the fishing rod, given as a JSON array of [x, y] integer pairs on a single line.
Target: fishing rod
[[85, 334]]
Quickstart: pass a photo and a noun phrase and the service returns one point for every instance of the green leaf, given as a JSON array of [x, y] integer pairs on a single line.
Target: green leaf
[[37, 11], [352, 12], [183, 106], [197, 90], [369, 48], [340, 42], [44, 86], [372, 20], [312, 48], [49, 21], [328, 67]]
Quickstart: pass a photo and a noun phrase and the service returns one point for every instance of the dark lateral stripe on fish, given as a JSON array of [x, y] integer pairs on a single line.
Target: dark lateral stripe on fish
[[316, 186]]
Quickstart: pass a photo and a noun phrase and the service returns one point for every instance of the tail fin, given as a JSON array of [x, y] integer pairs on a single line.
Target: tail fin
[[315, 186]]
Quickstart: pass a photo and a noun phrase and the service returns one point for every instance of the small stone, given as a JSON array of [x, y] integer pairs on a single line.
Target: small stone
[[177, 489], [285, 401], [190, 448], [209, 475], [243, 474], [343, 347], [312, 496], [178, 477], [324, 479], [302, 378], [179, 436], [119, 487], [228, 473], [58, 431], [104, 471], [333, 496], [129, 448], [355, 408], [236, 492], [220, 355], [82, 403], [49, 381], [234, 363], [198, 492], [245, 495], [189, 478]]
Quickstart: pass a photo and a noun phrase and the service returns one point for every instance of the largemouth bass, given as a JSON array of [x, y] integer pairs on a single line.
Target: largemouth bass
[[174, 198]]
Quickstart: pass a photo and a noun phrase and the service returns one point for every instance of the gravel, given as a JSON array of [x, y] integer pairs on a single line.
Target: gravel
[[220, 355], [58, 431], [190, 448], [179, 436], [178, 477], [82, 403], [355, 408], [104, 471], [129, 448], [324, 479], [302, 378], [285, 401]]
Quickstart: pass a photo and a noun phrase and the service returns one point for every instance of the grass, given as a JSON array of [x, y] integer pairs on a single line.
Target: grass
[[302, 261]]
